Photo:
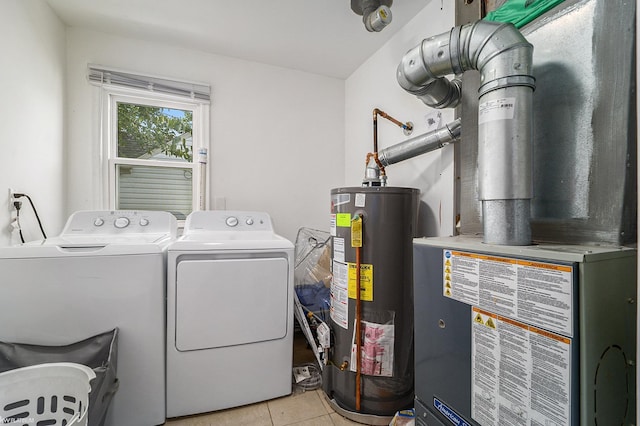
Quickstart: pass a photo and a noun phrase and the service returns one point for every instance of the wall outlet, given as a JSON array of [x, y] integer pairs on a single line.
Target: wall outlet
[[12, 199]]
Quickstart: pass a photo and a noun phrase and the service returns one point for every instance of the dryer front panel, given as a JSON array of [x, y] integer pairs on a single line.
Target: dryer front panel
[[228, 302]]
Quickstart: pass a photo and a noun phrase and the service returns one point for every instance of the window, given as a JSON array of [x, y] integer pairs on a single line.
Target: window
[[153, 144]]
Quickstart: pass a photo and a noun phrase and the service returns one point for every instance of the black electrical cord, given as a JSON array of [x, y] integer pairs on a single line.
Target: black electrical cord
[[18, 205], [44, 235]]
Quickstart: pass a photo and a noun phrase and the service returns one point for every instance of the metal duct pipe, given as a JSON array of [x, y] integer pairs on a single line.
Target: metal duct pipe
[[376, 14], [421, 144], [504, 58]]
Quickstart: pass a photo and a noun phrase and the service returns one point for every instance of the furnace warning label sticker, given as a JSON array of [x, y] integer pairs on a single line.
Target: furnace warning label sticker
[[520, 375], [366, 282], [538, 293]]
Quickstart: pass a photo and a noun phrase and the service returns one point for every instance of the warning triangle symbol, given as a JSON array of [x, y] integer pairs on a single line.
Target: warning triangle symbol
[[447, 284], [447, 262], [447, 270], [478, 319], [447, 277], [447, 292], [490, 323]]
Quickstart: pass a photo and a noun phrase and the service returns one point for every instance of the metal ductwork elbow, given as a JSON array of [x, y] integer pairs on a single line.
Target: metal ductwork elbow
[[504, 59]]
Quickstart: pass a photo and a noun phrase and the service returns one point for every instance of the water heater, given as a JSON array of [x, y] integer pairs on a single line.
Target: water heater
[[388, 218]]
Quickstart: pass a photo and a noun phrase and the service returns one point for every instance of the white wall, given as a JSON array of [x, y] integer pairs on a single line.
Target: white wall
[[374, 85], [277, 135], [31, 115]]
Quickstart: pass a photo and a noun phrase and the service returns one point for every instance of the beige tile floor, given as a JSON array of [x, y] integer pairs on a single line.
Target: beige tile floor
[[304, 409], [308, 408]]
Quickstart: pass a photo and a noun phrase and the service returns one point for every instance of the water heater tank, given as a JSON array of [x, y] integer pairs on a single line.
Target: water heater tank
[[389, 223]]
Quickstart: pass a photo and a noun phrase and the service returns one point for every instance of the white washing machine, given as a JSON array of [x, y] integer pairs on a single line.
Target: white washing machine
[[107, 269], [229, 313]]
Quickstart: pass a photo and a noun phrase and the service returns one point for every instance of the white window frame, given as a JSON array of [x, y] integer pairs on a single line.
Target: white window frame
[[113, 95]]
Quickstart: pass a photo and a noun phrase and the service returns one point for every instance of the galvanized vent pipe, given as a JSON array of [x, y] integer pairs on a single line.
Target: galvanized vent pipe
[[421, 144], [375, 175], [504, 59]]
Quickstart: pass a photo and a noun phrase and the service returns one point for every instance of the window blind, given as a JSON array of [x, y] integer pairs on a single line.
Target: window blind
[[99, 75]]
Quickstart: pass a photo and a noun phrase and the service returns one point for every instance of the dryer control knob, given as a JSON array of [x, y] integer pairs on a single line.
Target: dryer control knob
[[249, 221], [121, 222], [232, 221], [144, 222], [98, 222]]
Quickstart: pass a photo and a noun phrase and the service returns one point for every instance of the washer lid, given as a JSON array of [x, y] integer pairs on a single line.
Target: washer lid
[[58, 247]]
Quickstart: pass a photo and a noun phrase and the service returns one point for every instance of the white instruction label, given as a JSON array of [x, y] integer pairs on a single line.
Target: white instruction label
[[338, 249], [461, 277], [496, 109], [360, 200], [339, 309], [538, 293], [333, 229], [520, 375]]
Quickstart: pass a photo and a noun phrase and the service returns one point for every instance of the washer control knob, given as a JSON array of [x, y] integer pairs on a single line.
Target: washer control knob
[[121, 222], [232, 221], [98, 222], [144, 222], [249, 221]]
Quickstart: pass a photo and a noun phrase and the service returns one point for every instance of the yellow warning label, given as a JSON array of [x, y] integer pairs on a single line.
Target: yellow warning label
[[447, 292], [356, 232], [366, 282], [478, 319], [343, 220], [490, 323], [447, 284], [447, 277], [447, 262], [447, 270]]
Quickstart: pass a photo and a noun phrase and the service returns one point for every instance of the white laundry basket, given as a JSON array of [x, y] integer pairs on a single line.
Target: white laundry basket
[[54, 393]]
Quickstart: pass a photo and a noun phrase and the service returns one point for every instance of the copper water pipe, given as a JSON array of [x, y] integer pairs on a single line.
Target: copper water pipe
[[358, 331], [405, 126]]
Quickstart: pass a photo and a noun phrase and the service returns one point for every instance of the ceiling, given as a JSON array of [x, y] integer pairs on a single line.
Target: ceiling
[[319, 36]]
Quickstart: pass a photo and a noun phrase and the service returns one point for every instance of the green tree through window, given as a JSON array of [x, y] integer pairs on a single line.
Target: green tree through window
[[147, 130]]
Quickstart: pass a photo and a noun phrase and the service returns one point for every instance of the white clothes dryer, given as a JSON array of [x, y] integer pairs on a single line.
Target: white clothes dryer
[[107, 269], [229, 313]]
